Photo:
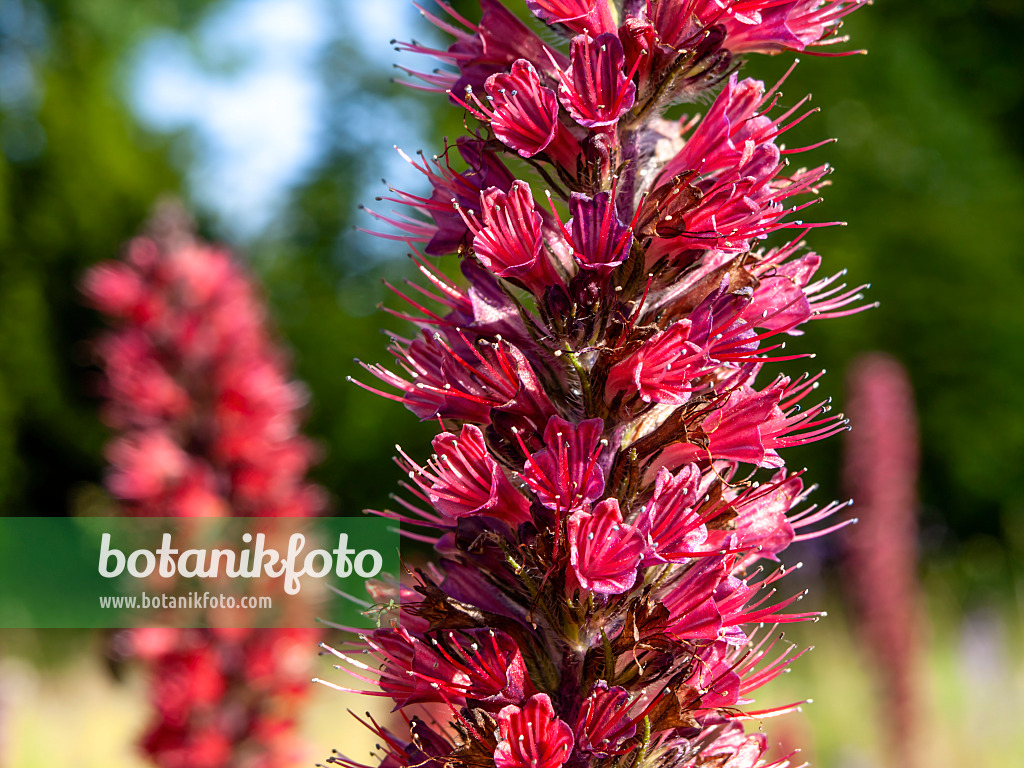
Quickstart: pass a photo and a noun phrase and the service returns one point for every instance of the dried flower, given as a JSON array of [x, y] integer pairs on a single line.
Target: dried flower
[[593, 498]]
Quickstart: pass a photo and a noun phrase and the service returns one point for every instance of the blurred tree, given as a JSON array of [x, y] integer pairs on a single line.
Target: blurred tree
[[77, 176], [930, 177], [324, 281]]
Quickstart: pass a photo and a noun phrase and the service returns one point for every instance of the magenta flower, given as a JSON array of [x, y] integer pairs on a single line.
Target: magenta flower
[[608, 495], [671, 522], [565, 474], [604, 721], [595, 90], [483, 665], [582, 16], [662, 368], [604, 552], [752, 25], [524, 114], [480, 50], [447, 230], [532, 737], [739, 196], [750, 426], [508, 238], [599, 241], [462, 480]]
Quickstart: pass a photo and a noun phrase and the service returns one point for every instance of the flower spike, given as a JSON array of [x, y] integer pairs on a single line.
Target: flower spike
[[608, 497]]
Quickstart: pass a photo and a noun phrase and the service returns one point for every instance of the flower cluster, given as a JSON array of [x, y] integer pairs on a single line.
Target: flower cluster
[[207, 415], [209, 427], [607, 495], [224, 697]]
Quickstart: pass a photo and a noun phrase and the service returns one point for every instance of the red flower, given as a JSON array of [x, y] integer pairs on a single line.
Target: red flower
[[532, 737], [565, 474], [604, 721], [508, 237], [670, 522], [588, 16], [523, 113], [595, 90], [599, 241], [462, 480], [604, 552]]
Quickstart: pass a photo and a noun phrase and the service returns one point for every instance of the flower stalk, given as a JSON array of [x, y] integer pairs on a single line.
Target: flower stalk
[[607, 497]]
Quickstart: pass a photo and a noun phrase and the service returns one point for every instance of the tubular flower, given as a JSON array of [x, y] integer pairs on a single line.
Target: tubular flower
[[603, 551], [595, 90], [532, 737], [591, 16], [209, 426], [509, 240], [524, 114], [599, 241], [608, 498], [463, 480], [565, 473]]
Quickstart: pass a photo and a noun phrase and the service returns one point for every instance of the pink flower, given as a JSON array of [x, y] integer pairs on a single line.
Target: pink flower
[[740, 193], [761, 517], [508, 237], [768, 27], [604, 552], [585, 16], [524, 114], [145, 465], [209, 422], [565, 474], [750, 426], [604, 720], [670, 522], [881, 466], [198, 386], [752, 25], [447, 231], [462, 480], [488, 379], [480, 50], [483, 665], [734, 749], [599, 241], [532, 737], [595, 90], [662, 369]]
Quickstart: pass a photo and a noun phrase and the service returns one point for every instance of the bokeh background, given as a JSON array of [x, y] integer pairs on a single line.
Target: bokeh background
[[273, 119]]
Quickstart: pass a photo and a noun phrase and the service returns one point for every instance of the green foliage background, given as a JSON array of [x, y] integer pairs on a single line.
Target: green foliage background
[[929, 177]]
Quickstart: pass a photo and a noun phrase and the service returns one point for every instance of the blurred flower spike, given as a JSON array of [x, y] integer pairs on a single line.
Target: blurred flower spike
[[195, 385], [608, 498], [209, 426]]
